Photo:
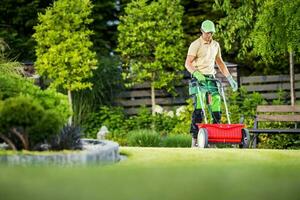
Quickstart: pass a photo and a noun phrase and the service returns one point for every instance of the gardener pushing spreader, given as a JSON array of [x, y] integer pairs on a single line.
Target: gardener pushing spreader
[[202, 55]]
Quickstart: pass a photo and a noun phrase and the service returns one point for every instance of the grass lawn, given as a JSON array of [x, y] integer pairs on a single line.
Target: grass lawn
[[163, 173]]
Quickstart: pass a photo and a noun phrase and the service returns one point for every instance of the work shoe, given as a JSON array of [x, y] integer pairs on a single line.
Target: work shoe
[[194, 143]]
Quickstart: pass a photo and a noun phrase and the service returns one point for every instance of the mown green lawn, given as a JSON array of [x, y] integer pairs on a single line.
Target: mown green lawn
[[163, 173]]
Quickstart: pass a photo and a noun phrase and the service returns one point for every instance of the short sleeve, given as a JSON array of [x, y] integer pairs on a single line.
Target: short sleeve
[[193, 49], [219, 52]]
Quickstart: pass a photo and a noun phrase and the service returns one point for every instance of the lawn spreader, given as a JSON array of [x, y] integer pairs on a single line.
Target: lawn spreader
[[218, 133]]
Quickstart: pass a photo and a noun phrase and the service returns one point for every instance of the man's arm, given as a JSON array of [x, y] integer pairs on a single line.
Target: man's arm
[[222, 66], [188, 64], [224, 70]]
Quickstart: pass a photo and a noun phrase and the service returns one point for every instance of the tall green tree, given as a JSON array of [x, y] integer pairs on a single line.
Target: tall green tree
[[17, 19], [277, 32], [63, 45], [277, 29], [236, 26], [234, 30], [150, 42]]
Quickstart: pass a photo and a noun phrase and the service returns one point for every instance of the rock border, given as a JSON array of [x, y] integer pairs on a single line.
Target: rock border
[[94, 152]]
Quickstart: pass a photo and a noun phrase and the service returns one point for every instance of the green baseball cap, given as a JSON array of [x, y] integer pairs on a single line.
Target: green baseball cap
[[208, 26]]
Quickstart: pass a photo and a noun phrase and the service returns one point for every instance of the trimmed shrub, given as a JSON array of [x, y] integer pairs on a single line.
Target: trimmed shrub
[[177, 141], [46, 127], [53, 101], [13, 86], [26, 116], [144, 138]]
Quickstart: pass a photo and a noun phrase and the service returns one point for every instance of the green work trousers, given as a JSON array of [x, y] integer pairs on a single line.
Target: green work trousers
[[210, 95]]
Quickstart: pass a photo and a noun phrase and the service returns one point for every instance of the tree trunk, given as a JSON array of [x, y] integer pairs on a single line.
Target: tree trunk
[[153, 99], [153, 95], [292, 78], [8, 141], [71, 106], [23, 138]]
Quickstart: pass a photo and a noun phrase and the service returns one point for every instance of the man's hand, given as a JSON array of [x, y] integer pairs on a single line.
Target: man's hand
[[232, 83], [198, 76]]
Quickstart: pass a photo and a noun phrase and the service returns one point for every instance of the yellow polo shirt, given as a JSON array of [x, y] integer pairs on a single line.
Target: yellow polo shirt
[[205, 54]]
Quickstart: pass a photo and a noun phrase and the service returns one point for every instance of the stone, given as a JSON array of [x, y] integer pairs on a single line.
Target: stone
[[94, 152], [102, 133]]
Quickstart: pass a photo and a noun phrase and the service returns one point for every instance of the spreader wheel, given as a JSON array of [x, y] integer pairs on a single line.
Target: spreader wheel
[[245, 138], [202, 138]]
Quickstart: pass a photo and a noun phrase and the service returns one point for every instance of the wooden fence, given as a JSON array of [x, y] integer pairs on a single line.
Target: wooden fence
[[268, 86]]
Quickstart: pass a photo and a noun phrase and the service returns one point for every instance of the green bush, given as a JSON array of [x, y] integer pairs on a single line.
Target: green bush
[[242, 104], [20, 112], [119, 124], [30, 119], [13, 86], [279, 141], [46, 127], [111, 117], [177, 141], [143, 120], [184, 116], [118, 136], [53, 101], [144, 138], [164, 124]]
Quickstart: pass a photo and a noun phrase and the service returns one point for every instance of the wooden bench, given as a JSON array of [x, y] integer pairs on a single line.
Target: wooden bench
[[276, 113]]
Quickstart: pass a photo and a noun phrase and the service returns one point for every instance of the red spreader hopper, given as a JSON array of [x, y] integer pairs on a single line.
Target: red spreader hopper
[[223, 133]]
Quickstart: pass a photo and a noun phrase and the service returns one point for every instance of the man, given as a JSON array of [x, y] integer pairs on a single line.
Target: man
[[202, 55]]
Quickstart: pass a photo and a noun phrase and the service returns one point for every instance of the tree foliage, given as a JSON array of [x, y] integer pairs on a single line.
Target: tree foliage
[[17, 19], [234, 29], [63, 44], [150, 41], [237, 31], [277, 29], [234, 32]]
